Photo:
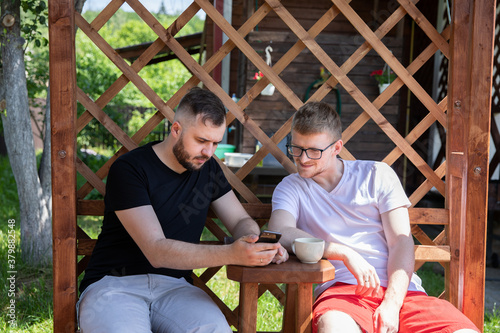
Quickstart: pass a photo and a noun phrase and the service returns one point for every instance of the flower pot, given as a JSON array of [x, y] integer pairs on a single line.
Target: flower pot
[[268, 90], [382, 87]]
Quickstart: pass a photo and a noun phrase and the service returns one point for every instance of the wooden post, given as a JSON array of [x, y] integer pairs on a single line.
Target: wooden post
[[468, 151], [479, 109], [217, 72], [63, 121]]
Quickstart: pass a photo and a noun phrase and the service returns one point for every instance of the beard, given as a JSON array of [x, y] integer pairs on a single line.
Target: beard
[[183, 157]]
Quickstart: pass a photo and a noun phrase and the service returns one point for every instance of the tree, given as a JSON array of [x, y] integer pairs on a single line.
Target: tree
[[162, 9], [21, 39], [33, 185]]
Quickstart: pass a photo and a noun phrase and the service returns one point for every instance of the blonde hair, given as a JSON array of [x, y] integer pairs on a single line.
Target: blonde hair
[[317, 117]]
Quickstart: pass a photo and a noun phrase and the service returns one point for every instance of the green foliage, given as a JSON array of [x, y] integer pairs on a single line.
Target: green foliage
[[9, 209], [432, 282], [33, 291], [492, 321], [34, 19], [33, 285], [34, 28], [94, 161], [96, 73]]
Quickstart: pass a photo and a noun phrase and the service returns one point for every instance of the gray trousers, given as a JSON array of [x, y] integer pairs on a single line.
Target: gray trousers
[[147, 303]]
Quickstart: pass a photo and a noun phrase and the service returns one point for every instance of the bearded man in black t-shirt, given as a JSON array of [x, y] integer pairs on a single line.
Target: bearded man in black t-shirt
[[157, 199]]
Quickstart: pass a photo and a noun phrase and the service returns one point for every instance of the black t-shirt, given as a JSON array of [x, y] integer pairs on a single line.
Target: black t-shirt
[[180, 201]]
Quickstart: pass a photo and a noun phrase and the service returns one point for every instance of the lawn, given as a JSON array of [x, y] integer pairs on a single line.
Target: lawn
[[31, 293]]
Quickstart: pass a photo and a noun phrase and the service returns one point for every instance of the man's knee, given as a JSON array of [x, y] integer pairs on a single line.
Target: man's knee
[[336, 321]]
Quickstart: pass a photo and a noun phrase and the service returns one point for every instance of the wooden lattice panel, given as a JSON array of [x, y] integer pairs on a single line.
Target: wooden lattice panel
[[371, 107], [305, 40]]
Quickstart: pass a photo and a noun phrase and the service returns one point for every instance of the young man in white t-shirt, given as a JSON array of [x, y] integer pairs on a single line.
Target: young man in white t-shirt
[[361, 210]]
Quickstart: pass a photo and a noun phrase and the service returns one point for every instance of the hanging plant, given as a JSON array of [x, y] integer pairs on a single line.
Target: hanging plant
[[384, 77]]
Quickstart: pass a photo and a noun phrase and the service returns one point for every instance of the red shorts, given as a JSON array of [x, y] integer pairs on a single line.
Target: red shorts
[[420, 313]]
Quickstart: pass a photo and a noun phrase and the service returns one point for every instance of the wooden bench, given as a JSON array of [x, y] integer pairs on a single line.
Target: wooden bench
[[250, 286]]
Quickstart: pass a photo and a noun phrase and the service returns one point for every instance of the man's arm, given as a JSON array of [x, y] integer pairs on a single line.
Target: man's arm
[[143, 226], [243, 228], [368, 280], [399, 268], [284, 222], [234, 217]]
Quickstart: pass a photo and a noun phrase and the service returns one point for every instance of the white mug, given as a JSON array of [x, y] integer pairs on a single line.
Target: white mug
[[308, 250]]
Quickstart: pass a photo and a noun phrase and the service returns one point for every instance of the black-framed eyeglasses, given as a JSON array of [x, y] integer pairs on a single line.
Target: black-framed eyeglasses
[[311, 153]]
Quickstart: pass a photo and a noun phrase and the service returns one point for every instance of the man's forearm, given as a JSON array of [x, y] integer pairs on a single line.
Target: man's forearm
[[246, 226], [175, 254], [399, 271]]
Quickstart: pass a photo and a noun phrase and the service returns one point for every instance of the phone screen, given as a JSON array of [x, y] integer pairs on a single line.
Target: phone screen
[[267, 236]]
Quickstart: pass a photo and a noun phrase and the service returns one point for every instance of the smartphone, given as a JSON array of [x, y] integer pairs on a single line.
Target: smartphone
[[267, 236]]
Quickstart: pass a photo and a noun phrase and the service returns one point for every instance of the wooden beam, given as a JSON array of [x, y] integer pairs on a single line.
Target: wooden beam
[[456, 148], [432, 253], [63, 157], [468, 151], [478, 108]]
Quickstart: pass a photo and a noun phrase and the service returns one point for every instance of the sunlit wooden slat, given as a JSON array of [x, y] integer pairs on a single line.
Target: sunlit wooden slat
[[426, 26], [419, 61], [357, 95], [91, 177], [389, 58], [429, 216], [360, 53], [421, 236], [432, 253], [250, 53], [415, 133], [123, 66], [280, 65], [208, 81], [426, 186], [105, 120]]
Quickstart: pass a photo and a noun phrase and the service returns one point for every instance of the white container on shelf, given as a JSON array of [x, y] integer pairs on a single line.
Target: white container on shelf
[[236, 160]]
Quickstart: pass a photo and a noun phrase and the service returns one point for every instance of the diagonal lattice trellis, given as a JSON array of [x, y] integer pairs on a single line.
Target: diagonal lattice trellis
[[306, 40]]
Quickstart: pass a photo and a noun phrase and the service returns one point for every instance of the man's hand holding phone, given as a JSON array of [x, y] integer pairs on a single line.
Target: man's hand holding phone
[[267, 236]]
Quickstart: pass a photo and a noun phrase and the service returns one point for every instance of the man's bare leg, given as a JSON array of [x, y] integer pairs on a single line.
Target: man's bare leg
[[336, 321]]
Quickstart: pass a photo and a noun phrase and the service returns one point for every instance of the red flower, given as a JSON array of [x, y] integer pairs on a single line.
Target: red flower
[[258, 76], [383, 75]]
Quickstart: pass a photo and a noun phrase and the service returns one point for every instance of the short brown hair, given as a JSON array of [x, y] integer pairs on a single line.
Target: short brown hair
[[202, 102], [317, 117]]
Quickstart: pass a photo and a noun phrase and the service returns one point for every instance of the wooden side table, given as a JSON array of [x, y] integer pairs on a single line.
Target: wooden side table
[[299, 278]]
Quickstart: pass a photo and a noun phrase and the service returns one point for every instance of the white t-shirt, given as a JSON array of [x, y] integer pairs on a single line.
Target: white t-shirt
[[348, 215]]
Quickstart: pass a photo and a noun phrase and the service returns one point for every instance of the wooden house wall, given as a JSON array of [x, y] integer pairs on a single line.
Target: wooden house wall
[[270, 112], [339, 40]]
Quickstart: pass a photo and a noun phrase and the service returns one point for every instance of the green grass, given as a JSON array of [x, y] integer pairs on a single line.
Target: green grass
[[33, 294], [433, 283], [33, 285], [492, 322]]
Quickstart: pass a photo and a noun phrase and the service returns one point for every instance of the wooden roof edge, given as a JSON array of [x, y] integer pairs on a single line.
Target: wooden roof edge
[[133, 52]]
